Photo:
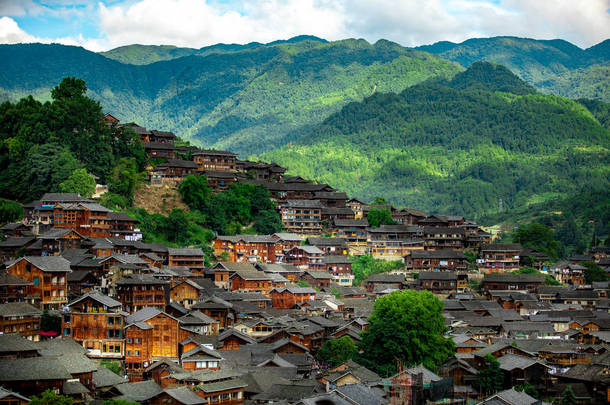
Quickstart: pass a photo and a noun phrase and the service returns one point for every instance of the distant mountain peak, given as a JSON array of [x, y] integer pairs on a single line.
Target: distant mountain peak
[[491, 76]]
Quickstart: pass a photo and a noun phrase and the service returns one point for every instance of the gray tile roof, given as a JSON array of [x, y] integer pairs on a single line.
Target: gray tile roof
[[140, 391], [99, 297], [18, 309], [103, 378], [49, 263], [361, 394], [185, 252], [13, 342], [32, 369], [185, 396]]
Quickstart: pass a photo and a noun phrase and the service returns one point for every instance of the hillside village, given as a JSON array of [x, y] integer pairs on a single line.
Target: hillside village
[[248, 328]]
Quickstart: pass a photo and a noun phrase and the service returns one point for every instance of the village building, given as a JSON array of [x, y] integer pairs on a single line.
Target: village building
[[330, 246], [96, 322], [443, 282], [436, 260], [48, 275], [138, 291], [192, 258], [340, 267], [443, 237], [248, 248], [301, 216], [498, 257], [21, 318], [123, 226], [354, 232], [15, 289], [507, 281], [290, 296], [251, 281], [305, 257], [215, 160]]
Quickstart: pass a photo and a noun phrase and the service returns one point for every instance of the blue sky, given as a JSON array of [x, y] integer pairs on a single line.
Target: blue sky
[[105, 24]]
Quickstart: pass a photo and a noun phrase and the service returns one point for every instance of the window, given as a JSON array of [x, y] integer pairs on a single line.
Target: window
[[35, 281], [201, 364], [28, 269], [137, 341], [66, 331], [212, 364]]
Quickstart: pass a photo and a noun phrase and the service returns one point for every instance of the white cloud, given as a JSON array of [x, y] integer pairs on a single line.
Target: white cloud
[[197, 23], [10, 33]]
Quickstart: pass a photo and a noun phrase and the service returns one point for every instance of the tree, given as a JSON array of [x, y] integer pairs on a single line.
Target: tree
[[49, 397], [538, 237], [491, 377], [123, 179], [47, 166], [79, 182], [10, 211], [380, 217], [568, 397], [379, 201], [594, 272], [405, 326], [50, 322], [528, 389], [268, 222], [195, 192], [337, 351]]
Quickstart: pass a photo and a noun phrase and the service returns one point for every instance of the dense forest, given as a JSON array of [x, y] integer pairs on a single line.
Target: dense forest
[[243, 98], [481, 142], [553, 66]]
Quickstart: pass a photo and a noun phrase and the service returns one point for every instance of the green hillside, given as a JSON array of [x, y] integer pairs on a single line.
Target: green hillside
[[553, 66], [458, 146], [145, 54], [247, 98]]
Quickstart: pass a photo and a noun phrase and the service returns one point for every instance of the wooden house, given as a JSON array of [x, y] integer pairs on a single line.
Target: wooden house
[[21, 318], [12, 398], [56, 240], [216, 160], [15, 246], [385, 281], [333, 199], [248, 248], [301, 216], [443, 282], [160, 150], [305, 257], [436, 260], [217, 309], [287, 241], [442, 237], [353, 231], [288, 271], [318, 279], [176, 168], [96, 322], [201, 358], [138, 291], [88, 219], [232, 339], [509, 281], [340, 267], [289, 297], [330, 246], [123, 226], [151, 335], [192, 258], [15, 289], [497, 257], [223, 270], [186, 293], [48, 275], [252, 281]]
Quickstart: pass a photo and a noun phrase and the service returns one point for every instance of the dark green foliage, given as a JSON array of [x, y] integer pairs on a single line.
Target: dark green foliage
[[337, 351], [303, 283], [79, 182], [594, 272], [123, 179], [405, 326], [555, 66], [491, 377], [444, 149], [179, 228], [380, 217], [10, 211], [574, 218], [528, 389], [365, 265], [50, 322], [49, 397], [568, 397], [242, 205], [242, 98], [538, 237], [41, 145]]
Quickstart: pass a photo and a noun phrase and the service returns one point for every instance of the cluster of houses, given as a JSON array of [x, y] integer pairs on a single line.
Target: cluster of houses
[[246, 329]]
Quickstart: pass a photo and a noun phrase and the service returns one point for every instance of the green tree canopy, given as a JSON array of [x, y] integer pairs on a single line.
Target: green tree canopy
[[337, 351], [49, 397], [594, 272], [124, 178], [380, 217], [491, 378], [568, 397], [405, 326], [538, 237], [79, 182], [10, 211]]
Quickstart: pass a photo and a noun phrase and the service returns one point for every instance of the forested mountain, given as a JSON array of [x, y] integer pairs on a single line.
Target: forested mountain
[[458, 146], [247, 98], [553, 66]]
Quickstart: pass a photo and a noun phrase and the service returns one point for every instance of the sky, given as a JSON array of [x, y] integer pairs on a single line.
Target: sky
[[105, 24]]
